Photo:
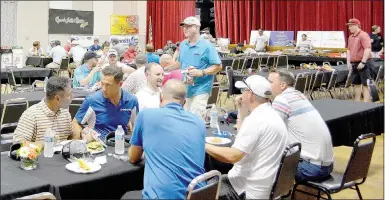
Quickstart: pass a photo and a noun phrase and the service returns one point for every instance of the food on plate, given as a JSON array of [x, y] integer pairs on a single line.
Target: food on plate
[[216, 140], [83, 164], [94, 146]]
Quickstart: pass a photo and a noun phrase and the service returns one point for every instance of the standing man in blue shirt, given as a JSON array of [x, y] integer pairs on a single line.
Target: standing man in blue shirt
[[172, 164], [104, 110], [87, 74], [202, 61], [96, 46], [151, 57]]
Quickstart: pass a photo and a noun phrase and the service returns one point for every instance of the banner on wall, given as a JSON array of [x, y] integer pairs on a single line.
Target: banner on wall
[[281, 38], [70, 22], [325, 39], [124, 24], [85, 41], [254, 34], [125, 39]]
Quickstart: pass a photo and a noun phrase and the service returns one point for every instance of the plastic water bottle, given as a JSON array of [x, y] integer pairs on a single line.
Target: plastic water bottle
[[45, 84], [250, 70], [48, 143], [119, 140], [213, 116]]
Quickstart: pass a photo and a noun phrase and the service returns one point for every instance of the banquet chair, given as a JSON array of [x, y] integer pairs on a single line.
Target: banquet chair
[[270, 62], [301, 82], [12, 111], [229, 87], [283, 62], [245, 61], [43, 195], [340, 63], [326, 63], [74, 106], [331, 85], [208, 192], [356, 170], [317, 83], [285, 178], [14, 86], [214, 95], [380, 79], [253, 62], [235, 64], [346, 90], [64, 65]]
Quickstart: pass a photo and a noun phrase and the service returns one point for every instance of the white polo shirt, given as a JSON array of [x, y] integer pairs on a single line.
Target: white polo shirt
[[305, 125], [148, 98], [135, 81], [260, 41], [57, 53], [263, 138], [77, 53]]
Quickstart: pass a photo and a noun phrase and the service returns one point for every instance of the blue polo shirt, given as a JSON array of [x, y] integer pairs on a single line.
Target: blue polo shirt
[[101, 113], [93, 48], [175, 151], [82, 72], [152, 58], [201, 55]]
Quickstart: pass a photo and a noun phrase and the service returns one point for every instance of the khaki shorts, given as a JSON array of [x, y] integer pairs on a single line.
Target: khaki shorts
[[197, 105]]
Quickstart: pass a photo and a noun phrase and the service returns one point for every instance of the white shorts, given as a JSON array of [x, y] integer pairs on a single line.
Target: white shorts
[[197, 105]]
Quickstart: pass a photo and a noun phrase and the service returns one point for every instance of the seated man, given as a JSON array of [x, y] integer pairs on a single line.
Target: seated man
[[304, 44], [77, 53], [149, 96], [258, 147], [105, 109], [238, 49], [113, 60], [172, 164], [36, 50], [304, 125], [137, 80], [151, 57], [131, 53], [57, 53], [87, 74], [165, 61], [52, 112], [95, 46]]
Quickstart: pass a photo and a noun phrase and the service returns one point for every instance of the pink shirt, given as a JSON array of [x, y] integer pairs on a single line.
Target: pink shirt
[[357, 44], [175, 74]]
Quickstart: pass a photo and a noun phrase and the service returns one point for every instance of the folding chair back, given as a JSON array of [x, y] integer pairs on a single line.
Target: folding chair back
[[380, 74], [12, 111], [75, 105], [208, 192], [300, 83], [283, 61]]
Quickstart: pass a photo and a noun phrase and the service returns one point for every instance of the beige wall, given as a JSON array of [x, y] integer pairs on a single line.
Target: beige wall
[[32, 19]]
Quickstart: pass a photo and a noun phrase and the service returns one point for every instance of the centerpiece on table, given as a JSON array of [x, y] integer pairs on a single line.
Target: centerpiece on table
[[28, 154]]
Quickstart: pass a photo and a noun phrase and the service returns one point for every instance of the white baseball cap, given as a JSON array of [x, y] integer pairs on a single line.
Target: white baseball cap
[[259, 85], [191, 21], [112, 52]]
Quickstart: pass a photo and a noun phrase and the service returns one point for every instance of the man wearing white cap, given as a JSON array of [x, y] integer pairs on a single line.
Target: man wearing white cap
[[258, 147], [201, 61], [113, 60]]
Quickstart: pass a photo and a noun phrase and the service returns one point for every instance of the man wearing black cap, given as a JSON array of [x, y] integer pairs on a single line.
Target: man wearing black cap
[[88, 74], [359, 59], [238, 49]]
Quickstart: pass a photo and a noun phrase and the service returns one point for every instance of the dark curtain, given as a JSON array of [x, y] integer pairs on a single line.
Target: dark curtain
[[166, 17], [235, 19]]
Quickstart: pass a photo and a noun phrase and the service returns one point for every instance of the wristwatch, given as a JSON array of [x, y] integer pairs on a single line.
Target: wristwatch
[[203, 73]]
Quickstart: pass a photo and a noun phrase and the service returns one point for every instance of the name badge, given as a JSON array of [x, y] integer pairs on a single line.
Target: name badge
[[196, 54], [125, 110]]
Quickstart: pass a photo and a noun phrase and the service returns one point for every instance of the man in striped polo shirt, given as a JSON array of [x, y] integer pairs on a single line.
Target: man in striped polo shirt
[[304, 125], [52, 112]]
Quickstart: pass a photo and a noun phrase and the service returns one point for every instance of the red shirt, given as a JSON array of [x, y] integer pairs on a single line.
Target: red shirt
[[129, 55], [175, 74], [357, 43]]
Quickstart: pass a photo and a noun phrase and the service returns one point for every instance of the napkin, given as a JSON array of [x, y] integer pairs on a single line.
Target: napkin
[[101, 160]]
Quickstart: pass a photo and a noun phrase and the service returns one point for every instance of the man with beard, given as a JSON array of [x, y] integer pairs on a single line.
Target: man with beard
[[51, 112], [88, 74], [149, 96]]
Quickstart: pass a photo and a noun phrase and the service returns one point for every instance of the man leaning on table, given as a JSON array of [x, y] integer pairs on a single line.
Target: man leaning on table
[[36, 50], [258, 147], [57, 53], [87, 74], [202, 61], [51, 112], [305, 125], [102, 111], [174, 150], [359, 60]]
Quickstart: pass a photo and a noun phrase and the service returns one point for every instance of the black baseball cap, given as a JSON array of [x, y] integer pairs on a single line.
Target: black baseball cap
[[241, 45], [90, 54]]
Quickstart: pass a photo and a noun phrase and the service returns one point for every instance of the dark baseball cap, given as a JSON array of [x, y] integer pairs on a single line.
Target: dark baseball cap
[[240, 45], [90, 54]]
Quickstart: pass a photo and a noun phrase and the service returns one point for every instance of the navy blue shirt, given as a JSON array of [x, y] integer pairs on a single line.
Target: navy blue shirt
[[93, 48], [201, 56], [103, 116], [174, 149]]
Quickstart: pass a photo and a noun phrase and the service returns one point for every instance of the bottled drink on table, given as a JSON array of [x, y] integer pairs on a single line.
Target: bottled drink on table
[[119, 140], [49, 137], [213, 116]]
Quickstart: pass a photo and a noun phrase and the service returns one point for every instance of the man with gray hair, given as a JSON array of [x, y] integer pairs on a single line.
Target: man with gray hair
[[175, 162], [305, 125], [149, 95], [136, 80], [57, 53], [51, 112], [258, 147]]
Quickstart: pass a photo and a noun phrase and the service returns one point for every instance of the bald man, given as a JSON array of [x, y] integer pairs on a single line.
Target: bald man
[[149, 95], [175, 151], [165, 61]]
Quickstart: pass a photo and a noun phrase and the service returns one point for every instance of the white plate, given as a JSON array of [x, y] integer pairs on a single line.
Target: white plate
[[75, 167], [223, 141], [96, 152]]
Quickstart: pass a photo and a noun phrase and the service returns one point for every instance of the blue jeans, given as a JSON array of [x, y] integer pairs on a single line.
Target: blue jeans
[[307, 171]]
